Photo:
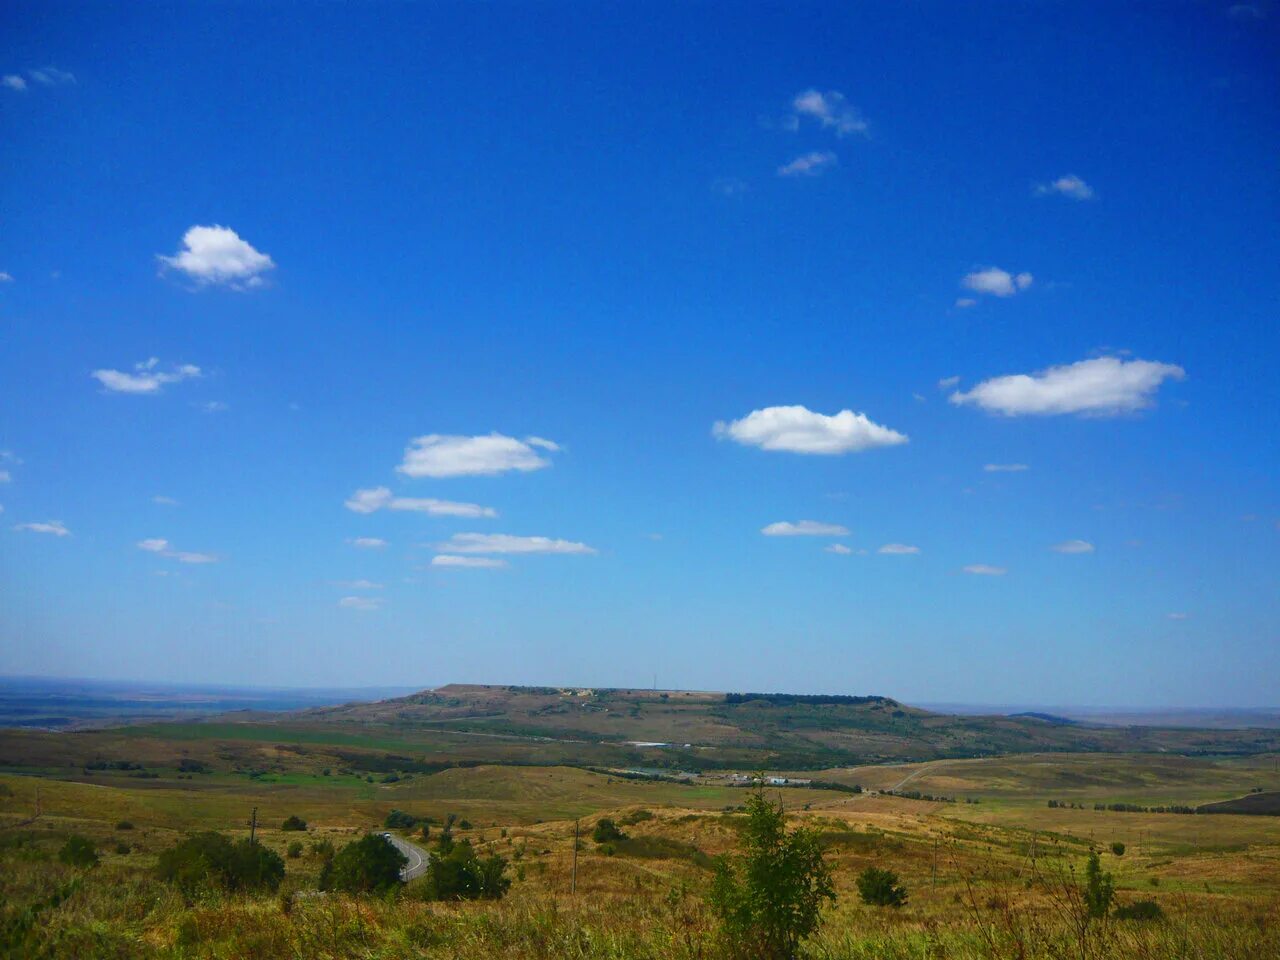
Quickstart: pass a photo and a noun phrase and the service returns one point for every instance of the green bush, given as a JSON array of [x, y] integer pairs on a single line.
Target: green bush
[[371, 864], [771, 898], [78, 851], [123, 849], [124, 825], [322, 849], [606, 831], [461, 875], [1140, 910], [211, 859], [1118, 848], [399, 820], [294, 850], [880, 888], [1099, 888], [293, 823]]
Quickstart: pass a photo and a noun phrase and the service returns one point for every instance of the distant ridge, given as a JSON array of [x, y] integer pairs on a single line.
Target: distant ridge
[[1046, 717]]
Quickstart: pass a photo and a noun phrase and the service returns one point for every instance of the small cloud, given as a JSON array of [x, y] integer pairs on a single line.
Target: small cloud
[[1005, 467], [984, 570], [52, 77], [804, 528], [473, 543], [797, 429], [919, 397], [5, 476], [1073, 546], [898, 549], [1067, 186], [995, 281], [946, 383], [214, 406], [368, 543], [380, 498], [162, 547], [1247, 12], [52, 527], [1178, 616], [653, 536], [146, 378], [438, 455], [1104, 386], [217, 256], [964, 303], [164, 501], [475, 563], [360, 603], [838, 548], [6, 277], [809, 164], [729, 186], [357, 585], [14, 82], [831, 110]]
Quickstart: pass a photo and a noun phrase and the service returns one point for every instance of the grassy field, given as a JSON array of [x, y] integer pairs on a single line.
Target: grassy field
[[985, 873]]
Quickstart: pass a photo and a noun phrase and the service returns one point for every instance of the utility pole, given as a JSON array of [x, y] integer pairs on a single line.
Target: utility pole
[[574, 887], [933, 873], [253, 825]]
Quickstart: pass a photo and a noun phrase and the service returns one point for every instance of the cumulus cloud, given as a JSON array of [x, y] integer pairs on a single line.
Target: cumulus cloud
[[52, 527], [809, 164], [439, 455], [1068, 186], [1073, 546], [898, 549], [476, 563], [360, 603], [1005, 467], [985, 570], [217, 255], [1103, 386], [804, 528], [995, 281], [839, 548], [367, 543], [470, 543], [14, 82], [381, 498], [163, 548], [831, 110], [145, 378], [796, 429]]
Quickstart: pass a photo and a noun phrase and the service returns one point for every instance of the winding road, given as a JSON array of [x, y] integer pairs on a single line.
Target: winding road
[[417, 857]]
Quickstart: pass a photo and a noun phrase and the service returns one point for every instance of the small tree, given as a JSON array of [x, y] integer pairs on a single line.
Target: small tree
[[1099, 888], [211, 859], [880, 888], [461, 875], [368, 865], [606, 831], [78, 851], [1118, 848], [771, 898], [293, 823]]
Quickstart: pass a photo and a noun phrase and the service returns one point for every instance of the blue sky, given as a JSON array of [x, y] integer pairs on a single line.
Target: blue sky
[[459, 277]]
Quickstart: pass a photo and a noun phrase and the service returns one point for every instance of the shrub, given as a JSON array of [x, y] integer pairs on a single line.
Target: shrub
[[1118, 848], [123, 849], [322, 849], [461, 875], [124, 825], [78, 852], [399, 820], [210, 859], [294, 850], [293, 823], [368, 865], [1140, 910], [1099, 888], [880, 888], [606, 831], [771, 898]]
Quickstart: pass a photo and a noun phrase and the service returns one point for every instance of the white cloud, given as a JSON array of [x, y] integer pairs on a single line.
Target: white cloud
[[993, 280], [1103, 386], [839, 548], [5, 476], [358, 585], [217, 255], [360, 603], [964, 303], [52, 527], [14, 82], [164, 501], [380, 498], [51, 76], [506, 543], [946, 383], [1178, 616], [983, 570], [1068, 186], [1073, 546], [729, 186], [439, 455], [831, 110], [146, 377], [804, 528], [1005, 467], [476, 563], [809, 164], [898, 549], [367, 543], [6, 276], [162, 547], [214, 406], [797, 429]]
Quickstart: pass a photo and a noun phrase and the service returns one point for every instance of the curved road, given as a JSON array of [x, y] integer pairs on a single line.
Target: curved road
[[417, 857]]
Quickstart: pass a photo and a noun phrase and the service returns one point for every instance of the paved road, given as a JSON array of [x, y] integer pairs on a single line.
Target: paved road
[[417, 857]]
